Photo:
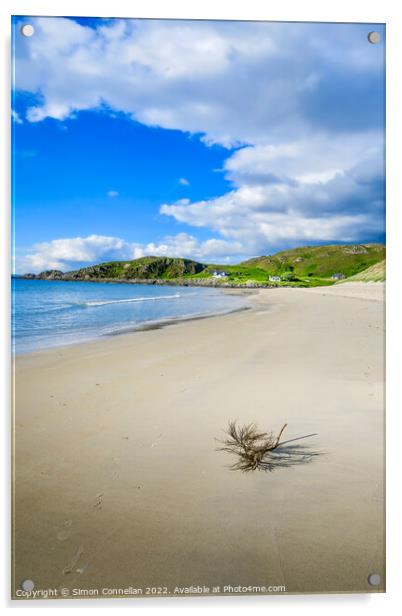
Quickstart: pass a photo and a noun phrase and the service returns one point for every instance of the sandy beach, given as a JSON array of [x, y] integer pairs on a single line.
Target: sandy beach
[[118, 482]]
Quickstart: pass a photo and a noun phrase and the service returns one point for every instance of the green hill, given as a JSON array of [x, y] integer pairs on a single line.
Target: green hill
[[374, 273], [144, 268], [307, 266], [321, 261]]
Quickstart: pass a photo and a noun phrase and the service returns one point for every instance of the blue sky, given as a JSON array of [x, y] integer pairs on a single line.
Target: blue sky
[[210, 140]]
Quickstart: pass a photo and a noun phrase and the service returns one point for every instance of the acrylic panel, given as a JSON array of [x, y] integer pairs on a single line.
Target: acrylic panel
[[198, 307]]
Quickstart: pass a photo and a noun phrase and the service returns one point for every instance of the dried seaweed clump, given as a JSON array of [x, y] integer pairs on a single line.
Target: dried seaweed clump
[[250, 445]]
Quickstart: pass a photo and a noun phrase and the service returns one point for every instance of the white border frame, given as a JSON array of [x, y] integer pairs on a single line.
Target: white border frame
[[378, 11]]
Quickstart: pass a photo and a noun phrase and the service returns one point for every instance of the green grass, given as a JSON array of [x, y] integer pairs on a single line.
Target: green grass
[[322, 261], [374, 273]]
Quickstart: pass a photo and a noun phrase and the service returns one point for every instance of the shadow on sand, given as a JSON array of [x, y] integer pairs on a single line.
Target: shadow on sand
[[286, 456]]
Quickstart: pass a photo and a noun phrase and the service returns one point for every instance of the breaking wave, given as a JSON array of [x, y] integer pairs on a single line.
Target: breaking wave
[[133, 299]]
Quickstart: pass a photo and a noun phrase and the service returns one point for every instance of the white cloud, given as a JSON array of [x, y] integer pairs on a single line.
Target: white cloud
[[233, 82], [295, 193], [184, 182], [56, 253], [16, 117], [316, 159], [185, 245], [112, 193], [71, 253]]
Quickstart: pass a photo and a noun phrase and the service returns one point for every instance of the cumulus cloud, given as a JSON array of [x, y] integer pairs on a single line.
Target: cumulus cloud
[[328, 190], [185, 245], [58, 253], [16, 117], [314, 160], [71, 253], [232, 82], [298, 106]]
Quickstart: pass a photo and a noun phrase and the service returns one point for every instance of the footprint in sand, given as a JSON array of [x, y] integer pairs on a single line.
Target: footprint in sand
[[157, 440], [65, 532], [74, 562], [98, 501], [116, 463]]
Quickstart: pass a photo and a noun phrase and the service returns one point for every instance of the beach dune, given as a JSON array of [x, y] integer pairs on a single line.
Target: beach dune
[[118, 482]]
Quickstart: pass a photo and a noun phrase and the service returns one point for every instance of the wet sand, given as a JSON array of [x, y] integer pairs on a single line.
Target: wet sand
[[118, 482]]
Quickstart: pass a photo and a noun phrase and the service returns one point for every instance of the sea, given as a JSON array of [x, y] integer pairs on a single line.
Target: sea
[[47, 314]]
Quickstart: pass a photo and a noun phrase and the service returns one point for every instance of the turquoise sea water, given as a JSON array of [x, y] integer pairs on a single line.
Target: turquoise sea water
[[54, 313]]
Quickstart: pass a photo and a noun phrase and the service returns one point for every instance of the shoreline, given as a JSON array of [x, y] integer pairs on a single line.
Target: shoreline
[[161, 323], [145, 326], [142, 327], [118, 481]]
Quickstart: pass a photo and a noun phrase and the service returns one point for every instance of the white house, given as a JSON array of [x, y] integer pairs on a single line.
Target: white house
[[217, 274]]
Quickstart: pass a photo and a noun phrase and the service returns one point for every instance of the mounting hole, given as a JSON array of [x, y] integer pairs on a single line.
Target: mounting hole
[[27, 30], [374, 579], [27, 585], [374, 37]]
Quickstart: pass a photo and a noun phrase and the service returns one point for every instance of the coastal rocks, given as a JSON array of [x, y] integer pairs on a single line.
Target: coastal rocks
[[49, 275], [356, 250], [162, 267]]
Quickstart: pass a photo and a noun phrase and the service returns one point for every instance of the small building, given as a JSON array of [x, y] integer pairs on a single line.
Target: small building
[[275, 278], [338, 276], [218, 274]]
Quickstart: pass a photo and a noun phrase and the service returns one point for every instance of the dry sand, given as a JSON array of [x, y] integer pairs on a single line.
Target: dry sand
[[118, 482]]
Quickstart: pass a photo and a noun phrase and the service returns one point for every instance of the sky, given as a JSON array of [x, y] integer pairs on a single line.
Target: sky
[[215, 141]]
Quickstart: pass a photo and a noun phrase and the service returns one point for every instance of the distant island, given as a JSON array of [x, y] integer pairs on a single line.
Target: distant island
[[307, 266]]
